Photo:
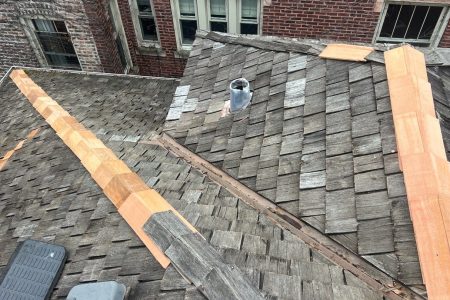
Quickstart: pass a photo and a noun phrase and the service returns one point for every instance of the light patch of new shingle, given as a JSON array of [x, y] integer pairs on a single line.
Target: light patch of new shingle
[[218, 45], [296, 62], [312, 180], [190, 105], [182, 90], [174, 113], [176, 108], [295, 93]]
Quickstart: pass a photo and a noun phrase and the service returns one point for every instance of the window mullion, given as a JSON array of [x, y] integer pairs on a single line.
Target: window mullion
[[202, 15], [233, 16]]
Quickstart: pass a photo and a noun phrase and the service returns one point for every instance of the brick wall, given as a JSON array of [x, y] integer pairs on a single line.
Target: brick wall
[[152, 64], [90, 27], [102, 31], [15, 46], [445, 41], [346, 20]]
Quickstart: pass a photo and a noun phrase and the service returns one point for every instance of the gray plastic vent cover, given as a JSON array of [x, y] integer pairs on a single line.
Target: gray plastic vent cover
[[107, 290], [32, 271]]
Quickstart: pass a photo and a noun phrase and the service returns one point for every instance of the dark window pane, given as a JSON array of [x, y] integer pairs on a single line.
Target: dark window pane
[[44, 25], [60, 26], [188, 29], [430, 22], [68, 62], [144, 6], [148, 29], [54, 42], [219, 26], [403, 21], [389, 20], [249, 28], [417, 21]]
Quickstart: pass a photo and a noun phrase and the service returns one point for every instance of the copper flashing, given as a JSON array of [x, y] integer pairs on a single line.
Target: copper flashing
[[424, 164]]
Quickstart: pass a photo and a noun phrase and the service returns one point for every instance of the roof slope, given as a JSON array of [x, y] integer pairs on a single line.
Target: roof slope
[[439, 78], [318, 140], [47, 194]]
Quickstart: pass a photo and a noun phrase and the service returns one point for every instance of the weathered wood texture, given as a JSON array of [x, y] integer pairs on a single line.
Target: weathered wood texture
[[197, 260]]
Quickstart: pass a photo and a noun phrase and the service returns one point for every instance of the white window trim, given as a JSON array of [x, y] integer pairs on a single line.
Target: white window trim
[[29, 28], [137, 26], [118, 23], [203, 18], [438, 30]]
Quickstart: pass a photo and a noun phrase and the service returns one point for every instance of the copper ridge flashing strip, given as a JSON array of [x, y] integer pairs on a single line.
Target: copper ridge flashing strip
[[424, 164], [7, 156], [346, 52], [332, 250], [135, 201]]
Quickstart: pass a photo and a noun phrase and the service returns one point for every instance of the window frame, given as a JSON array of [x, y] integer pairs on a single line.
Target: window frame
[[137, 26], [203, 17], [176, 22], [258, 16], [215, 19], [117, 22], [30, 31], [436, 36]]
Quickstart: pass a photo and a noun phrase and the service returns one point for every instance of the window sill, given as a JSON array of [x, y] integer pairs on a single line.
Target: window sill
[[149, 48], [183, 52]]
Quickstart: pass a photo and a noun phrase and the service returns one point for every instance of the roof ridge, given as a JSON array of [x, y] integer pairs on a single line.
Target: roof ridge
[[280, 43], [309, 46], [424, 164], [66, 71]]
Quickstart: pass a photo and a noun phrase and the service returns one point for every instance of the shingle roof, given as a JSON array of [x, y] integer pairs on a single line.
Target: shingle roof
[[47, 194], [318, 140], [439, 78]]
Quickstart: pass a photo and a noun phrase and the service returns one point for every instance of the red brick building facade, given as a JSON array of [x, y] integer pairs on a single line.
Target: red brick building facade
[[152, 37]]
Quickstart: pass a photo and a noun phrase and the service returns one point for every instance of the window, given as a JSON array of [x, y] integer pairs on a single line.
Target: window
[[233, 16], [218, 15], [415, 24], [188, 20], [56, 44], [249, 17], [144, 22]]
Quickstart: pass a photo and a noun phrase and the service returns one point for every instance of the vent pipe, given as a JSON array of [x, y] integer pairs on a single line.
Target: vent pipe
[[240, 94]]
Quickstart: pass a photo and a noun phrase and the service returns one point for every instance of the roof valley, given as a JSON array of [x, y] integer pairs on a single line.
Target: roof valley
[[316, 240]]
